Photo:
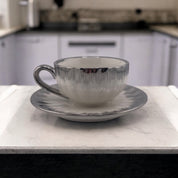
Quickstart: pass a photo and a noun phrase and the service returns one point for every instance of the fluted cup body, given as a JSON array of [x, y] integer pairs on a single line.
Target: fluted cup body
[[91, 80]]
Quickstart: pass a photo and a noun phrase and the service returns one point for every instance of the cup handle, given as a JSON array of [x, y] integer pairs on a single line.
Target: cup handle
[[39, 81]]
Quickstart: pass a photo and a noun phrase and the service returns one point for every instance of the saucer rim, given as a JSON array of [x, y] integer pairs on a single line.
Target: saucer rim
[[85, 114]]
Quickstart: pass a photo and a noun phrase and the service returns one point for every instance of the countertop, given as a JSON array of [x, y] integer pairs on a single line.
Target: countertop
[[150, 129], [9, 31], [171, 30]]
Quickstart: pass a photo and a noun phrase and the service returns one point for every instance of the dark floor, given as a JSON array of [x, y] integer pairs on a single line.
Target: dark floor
[[75, 166]]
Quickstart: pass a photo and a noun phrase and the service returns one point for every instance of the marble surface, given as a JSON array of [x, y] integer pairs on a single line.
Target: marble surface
[[5, 32], [171, 30], [151, 129]]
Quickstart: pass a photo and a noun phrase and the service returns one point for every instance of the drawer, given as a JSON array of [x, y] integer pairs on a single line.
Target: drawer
[[90, 46]]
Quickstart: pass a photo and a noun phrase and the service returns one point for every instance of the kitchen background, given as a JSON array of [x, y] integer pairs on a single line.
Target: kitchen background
[[144, 32]]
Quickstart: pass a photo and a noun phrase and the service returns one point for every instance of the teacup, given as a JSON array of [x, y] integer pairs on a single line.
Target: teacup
[[87, 80]]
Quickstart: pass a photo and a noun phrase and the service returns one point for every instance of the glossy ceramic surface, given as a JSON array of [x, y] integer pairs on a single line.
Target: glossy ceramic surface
[[131, 98], [87, 80]]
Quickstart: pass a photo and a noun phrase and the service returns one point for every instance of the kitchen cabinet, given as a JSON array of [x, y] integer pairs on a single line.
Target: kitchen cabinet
[[137, 49], [173, 68], [152, 56], [33, 50], [90, 45], [7, 61], [161, 57]]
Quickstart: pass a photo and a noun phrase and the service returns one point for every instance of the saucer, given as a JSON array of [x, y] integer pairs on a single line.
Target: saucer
[[131, 98]]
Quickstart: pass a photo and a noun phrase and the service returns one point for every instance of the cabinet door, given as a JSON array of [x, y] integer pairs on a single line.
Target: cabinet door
[[34, 50], [137, 50], [7, 60], [173, 68], [160, 61], [90, 45]]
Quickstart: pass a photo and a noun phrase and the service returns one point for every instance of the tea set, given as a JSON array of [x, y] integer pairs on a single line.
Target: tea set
[[88, 89]]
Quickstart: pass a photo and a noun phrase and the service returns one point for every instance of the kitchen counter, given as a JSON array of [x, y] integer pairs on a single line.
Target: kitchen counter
[[171, 30], [9, 31], [151, 129]]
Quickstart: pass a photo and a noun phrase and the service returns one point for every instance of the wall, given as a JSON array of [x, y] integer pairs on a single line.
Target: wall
[[46, 4], [4, 13], [113, 4], [121, 4], [11, 13], [14, 13]]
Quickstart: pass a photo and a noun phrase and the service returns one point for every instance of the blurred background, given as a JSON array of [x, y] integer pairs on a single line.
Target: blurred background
[[144, 32]]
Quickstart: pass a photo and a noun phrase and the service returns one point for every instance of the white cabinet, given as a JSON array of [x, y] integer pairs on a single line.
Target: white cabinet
[[137, 49], [173, 68], [7, 60], [33, 50], [153, 57], [90, 45], [160, 61]]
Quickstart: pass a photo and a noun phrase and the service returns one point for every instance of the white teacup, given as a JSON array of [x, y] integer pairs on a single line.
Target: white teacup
[[87, 80]]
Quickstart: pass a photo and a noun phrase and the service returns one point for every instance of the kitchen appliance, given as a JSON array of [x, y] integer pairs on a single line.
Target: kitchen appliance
[[32, 12]]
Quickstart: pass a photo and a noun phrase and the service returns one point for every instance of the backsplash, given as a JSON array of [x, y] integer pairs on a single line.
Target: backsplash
[[112, 4], [120, 4], [107, 16]]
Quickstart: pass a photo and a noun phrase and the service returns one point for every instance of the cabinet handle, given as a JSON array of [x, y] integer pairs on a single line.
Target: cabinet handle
[[76, 44]]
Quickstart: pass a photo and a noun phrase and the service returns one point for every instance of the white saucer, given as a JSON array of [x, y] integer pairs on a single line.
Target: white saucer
[[131, 98]]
